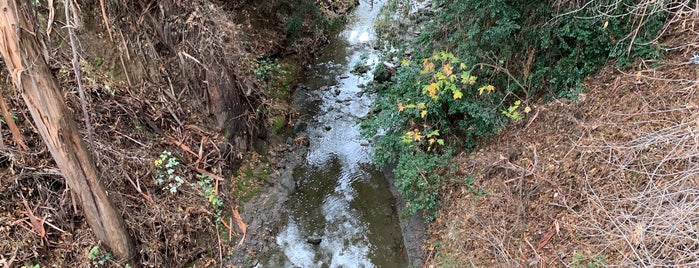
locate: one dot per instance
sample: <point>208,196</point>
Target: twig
<point>36,222</point>
<point>16,136</point>
<point>78,73</point>
<point>220,250</point>
<point>52,13</point>
<point>533,117</point>
<point>106,21</point>
<point>8,263</point>
<point>2,143</point>
<point>538,257</point>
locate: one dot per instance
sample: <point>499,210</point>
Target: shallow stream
<point>341,200</point>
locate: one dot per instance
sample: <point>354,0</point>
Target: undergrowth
<point>477,65</point>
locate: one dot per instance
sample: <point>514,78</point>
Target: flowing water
<point>340,198</point>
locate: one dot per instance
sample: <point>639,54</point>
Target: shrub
<point>520,50</point>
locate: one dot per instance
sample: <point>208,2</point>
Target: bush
<point>520,50</point>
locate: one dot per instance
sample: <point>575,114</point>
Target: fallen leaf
<point>241,225</point>
<point>37,222</point>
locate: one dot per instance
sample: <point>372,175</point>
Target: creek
<point>340,200</point>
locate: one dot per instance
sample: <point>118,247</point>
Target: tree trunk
<point>40,90</point>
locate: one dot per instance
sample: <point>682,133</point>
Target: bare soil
<point>608,180</point>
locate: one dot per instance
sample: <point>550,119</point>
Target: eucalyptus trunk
<point>22,53</point>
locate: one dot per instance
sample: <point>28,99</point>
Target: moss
<point>278,124</point>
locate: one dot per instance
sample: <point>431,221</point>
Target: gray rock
<point>314,239</point>
<point>287,181</point>
<point>299,126</point>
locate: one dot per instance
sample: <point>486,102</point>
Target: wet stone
<point>299,126</point>
<point>314,239</point>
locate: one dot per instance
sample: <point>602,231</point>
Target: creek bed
<point>342,213</point>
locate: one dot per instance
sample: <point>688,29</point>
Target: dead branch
<point>70,25</point>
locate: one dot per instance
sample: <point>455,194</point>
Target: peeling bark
<point>40,90</point>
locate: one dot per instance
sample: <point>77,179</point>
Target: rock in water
<point>314,239</point>
<point>299,126</point>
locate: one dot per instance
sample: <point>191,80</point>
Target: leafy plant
<point>98,258</point>
<point>519,50</point>
<point>512,112</point>
<point>166,166</point>
<point>438,96</point>
<point>206,184</point>
<point>266,68</point>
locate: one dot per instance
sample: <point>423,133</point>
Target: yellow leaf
<point>447,69</point>
<point>432,90</point>
<point>471,80</point>
<point>462,65</point>
<point>404,62</point>
<point>423,113</point>
<point>458,94</point>
<point>527,110</point>
<point>417,135</point>
<point>427,67</point>
<point>487,88</point>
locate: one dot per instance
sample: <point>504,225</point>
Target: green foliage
<point>206,184</point>
<point>267,68</point>
<point>551,49</point>
<point>32,266</point>
<point>519,50</point>
<point>433,104</point>
<point>166,166</point>
<point>418,182</point>
<point>278,124</point>
<point>98,258</point>
<point>512,112</point>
